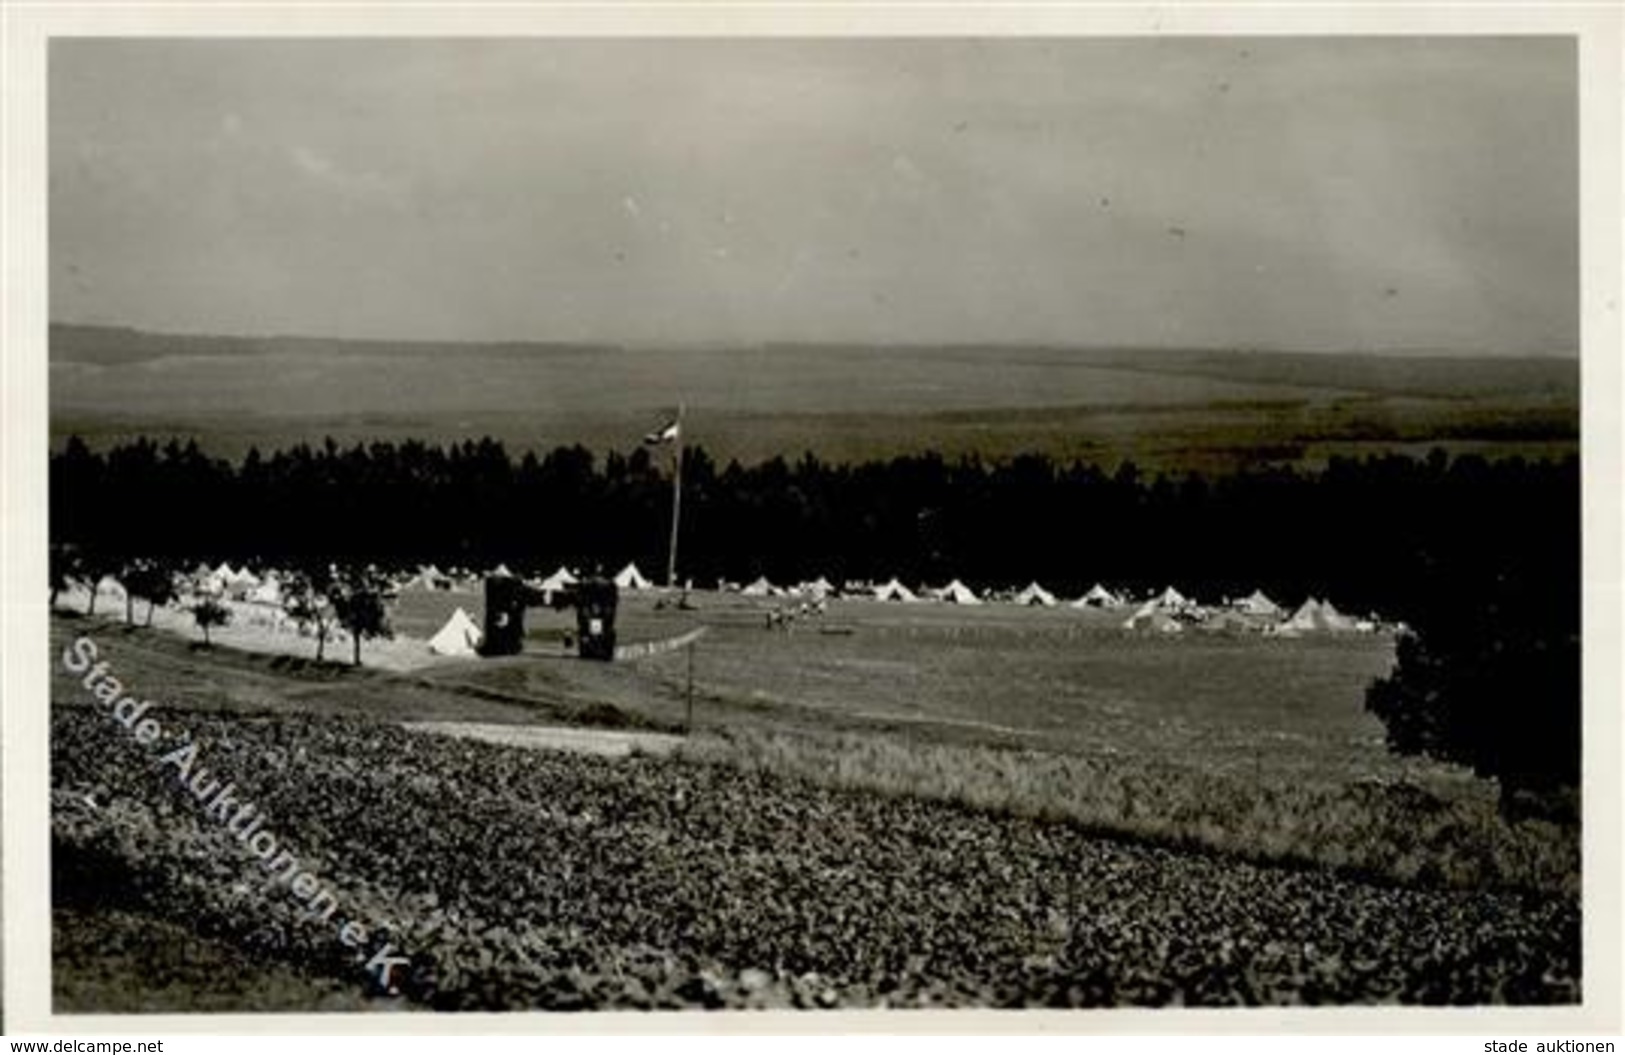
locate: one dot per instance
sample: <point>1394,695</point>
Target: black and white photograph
<point>797,523</point>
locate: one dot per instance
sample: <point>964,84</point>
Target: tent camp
<point>1257,603</point>
<point>1034,594</point>
<point>502,571</point>
<point>894,591</point>
<point>761,588</point>
<point>1098,597</point>
<point>957,592</point>
<point>459,637</point>
<point>629,578</point>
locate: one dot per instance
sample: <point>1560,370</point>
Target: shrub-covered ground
<point>525,879</point>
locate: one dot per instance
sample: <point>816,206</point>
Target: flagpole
<point>676,503</point>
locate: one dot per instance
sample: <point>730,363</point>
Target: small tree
<point>96,565</point>
<point>359,595</point>
<point>210,612</point>
<point>67,568</point>
<point>304,599</point>
<point>153,580</point>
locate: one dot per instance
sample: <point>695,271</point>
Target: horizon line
<point>604,344</point>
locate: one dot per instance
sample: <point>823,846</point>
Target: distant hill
<point>1170,408</point>
<point>1419,374</point>
<point>114,345</point>
<point>1434,376</point>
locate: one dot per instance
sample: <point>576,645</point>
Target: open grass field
<point>1253,746</point>
<point>1209,411</point>
<point>1066,680</point>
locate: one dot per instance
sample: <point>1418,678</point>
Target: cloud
<point>356,184</point>
<point>312,163</point>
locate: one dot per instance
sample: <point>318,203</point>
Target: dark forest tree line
<point>1481,558</point>
<point>1367,533</point>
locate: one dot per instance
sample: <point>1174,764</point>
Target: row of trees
<point>1367,533</point>
<point>1481,558</point>
<point>316,595</point>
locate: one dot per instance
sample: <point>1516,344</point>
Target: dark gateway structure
<point>506,599</point>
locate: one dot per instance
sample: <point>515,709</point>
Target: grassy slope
<point>1169,746</point>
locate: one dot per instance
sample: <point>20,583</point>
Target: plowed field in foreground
<point>515,878</point>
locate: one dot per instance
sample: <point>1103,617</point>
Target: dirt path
<point>607,743</point>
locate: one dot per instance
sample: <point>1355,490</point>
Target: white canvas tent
<point>1172,600</point>
<point>894,591</point>
<point>818,588</point>
<point>1035,594</point>
<point>761,588</point>
<point>558,580</point>
<point>957,592</point>
<point>219,580</point>
<point>1257,603</point>
<point>1335,620</point>
<point>460,636</point>
<point>1233,622</point>
<point>629,578</point>
<point>1098,597</point>
<point>268,592</point>
<point>205,581</point>
<point>502,570</point>
<point>1304,618</point>
<point>230,581</point>
<point>1152,616</point>
<point>1315,615</point>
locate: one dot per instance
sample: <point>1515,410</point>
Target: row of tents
<point>1167,611</point>
<point>429,577</point>
<point>1171,613</point>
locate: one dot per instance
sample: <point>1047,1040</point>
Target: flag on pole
<point>663,435</point>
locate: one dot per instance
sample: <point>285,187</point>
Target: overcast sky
<point>1337,194</point>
